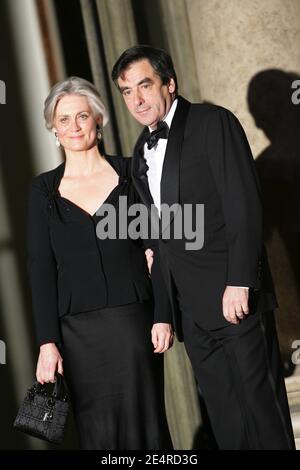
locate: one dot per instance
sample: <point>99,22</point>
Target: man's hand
<point>235,304</point>
<point>162,337</point>
<point>49,362</point>
<point>149,258</point>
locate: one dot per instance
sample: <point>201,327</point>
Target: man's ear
<point>171,86</point>
<point>54,130</point>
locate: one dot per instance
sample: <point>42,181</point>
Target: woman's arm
<point>43,279</point>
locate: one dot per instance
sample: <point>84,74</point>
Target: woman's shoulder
<point>121,164</point>
<point>45,182</point>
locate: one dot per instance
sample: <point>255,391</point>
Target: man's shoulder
<point>209,109</point>
<point>213,115</point>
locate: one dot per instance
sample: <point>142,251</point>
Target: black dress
<point>115,379</point>
<point>100,317</point>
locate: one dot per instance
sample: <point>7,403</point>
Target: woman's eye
<point>63,120</point>
<point>83,116</point>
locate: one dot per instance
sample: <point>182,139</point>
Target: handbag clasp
<point>48,416</point>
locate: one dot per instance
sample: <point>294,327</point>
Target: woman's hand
<point>49,362</point>
<point>149,257</point>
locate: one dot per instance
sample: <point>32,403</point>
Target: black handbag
<point>43,415</point>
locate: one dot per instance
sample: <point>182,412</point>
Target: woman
<point>92,296</point>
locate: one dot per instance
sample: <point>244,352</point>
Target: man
<point>222,293</point>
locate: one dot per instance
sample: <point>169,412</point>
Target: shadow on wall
<point>270,102</point>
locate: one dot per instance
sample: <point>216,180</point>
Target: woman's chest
<point>88,193</point>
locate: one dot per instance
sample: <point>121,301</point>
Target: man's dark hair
<point>159,59</point>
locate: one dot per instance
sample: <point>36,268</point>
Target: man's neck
<point>170,113</point>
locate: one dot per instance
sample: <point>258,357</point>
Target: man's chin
<point>143,122</point>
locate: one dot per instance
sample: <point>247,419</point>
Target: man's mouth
<point>142,111</point>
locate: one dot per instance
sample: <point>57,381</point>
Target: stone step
<point>293,391</point>
<point>292,384</point>
<point>296,423</point>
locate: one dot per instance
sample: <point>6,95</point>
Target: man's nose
<point>138,98</point>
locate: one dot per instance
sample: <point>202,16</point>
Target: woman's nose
<point>74,125</point>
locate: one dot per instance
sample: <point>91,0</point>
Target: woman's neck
<point>83,163</point>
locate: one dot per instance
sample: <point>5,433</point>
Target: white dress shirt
<point>155,160</point>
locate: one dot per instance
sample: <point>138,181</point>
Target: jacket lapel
<point>171,167</point>
<point>139,170</point>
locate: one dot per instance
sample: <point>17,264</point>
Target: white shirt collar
<point>169,117</point>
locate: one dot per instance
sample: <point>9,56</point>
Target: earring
<point>57,142</point>
<point>99,133</point>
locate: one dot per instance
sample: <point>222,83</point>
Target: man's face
<point>147,99</point>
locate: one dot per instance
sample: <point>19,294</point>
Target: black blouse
<point>71,270</point>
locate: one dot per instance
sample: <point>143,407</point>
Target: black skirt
<point>116,382</point>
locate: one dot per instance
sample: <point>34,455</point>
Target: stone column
<point>118,33</point>
<point>181,398</point>
<point>98,66</point>
<point>180,45</point>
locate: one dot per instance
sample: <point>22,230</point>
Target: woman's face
<point>75,124</point>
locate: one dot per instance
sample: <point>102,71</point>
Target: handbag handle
<point>58,391</point>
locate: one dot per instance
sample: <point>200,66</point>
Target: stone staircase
<point>293,391</point>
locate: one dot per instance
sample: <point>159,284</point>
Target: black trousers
<point>239,371</point>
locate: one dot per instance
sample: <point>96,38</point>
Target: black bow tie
<point>161,132</point>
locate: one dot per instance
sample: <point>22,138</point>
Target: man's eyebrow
<point>144,80</point>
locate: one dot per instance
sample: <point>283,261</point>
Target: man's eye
<point>83,116</point>
<point>63,120</point>
<point>126,93</point>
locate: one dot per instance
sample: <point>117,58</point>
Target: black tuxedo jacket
<point>72,271</point>
<point>208,161</point>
